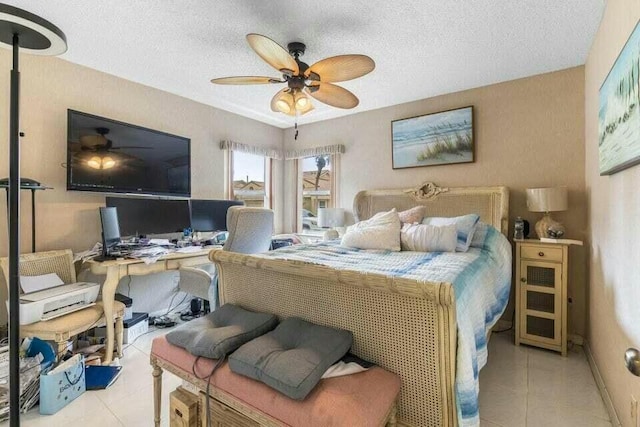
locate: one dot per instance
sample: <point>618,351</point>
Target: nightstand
<point>541,294</point>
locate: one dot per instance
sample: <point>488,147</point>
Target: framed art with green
<point>442,138</point>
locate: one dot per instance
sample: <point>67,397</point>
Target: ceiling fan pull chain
<point>295,137</point>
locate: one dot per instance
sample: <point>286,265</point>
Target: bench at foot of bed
<point>364,399</point>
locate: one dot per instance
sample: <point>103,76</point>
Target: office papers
<point>39,283</point>
<point>189,249</point>
<point>87,255</point>
<point>149,255</point>
<point>160,242</point>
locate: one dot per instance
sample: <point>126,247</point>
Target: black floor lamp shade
<point>36,35</point>
<point>20,29</point>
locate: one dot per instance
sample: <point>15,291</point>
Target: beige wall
<point>69,219</point>
<point>614,205</point>
<point>50,86</point>
<point>529,132</point>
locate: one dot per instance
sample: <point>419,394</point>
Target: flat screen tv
<point>113,157</point>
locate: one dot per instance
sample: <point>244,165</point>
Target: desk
<point>117,269</point>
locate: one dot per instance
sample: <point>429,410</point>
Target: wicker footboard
<point>406,326</point>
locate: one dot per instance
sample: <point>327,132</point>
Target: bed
<point>401,321</point>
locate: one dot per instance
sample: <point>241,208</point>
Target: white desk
<point>117,269</point>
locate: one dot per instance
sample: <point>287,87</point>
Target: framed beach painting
<point>619,110</point>
<point>433,139</point>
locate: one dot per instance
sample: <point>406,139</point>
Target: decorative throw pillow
<point>479,235</point>
<point>428,238</point>
<point>413,215</point>
<point>293,357</point>
<point>465,227</point>
<point>381,231</point>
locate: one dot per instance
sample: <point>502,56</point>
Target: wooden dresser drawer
<point>222,415</point>
<point>541,253</point>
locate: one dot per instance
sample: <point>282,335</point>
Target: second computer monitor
<point>142,217</point>
<point>110,229</point>
<point>211,215</point>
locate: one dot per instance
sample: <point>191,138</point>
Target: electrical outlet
<point>634,411</point>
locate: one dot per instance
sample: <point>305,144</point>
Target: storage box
<point>183,409</point>
<point>128,305</point>
<point>133,328</point>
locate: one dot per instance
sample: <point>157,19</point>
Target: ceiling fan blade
<point>340,68</point>
<point>246,80</point>
<point>93,140</point>
<point>130,147</point>
<point>273,54</point>
<point>333,95</point>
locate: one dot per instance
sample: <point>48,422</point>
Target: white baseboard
<point>608,403</point>
<point>576,339</point>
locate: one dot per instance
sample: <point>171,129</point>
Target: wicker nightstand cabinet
<point>541,294</point>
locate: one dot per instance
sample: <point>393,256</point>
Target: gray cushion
<point>221,332</point>
<point>292,357</point>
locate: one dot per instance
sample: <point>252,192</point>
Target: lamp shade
<point>330,217</point>
<point>547,199</point>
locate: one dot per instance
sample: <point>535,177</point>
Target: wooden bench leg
<point>393,421</point>
<point>157,392</point>
<point>119,335</point>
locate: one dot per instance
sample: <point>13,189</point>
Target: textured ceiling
<point>421,48</point>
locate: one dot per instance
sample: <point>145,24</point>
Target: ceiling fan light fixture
<point>108,163</point>
<point>316,80</point>
<point>301,101</point>
<point>95,162</point>
<point>283,104</point>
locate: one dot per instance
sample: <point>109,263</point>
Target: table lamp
<point>547,200</point>
<point>330,217</point>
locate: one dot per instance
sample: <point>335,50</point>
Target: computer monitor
<point>141,217</point>
<point>110,229</point>
<point>211,215</point>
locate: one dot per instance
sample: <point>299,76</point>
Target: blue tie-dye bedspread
<point>481,280</point>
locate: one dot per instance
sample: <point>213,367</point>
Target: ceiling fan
<point>301,79</point>
<point>98,151</point>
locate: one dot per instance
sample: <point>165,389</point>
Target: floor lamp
<point>20,29</point>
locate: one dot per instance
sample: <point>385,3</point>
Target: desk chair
<point>61,329</point>
<point>250,231</point>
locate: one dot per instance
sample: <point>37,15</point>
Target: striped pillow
<point>465,227</point>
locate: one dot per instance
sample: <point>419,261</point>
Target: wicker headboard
<point>491,203</point>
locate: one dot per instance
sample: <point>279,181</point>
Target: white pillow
<point>381,231</point>
<point>465,226</point>
<point>428,238</point>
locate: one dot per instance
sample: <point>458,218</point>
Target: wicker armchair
<point>61,329</point>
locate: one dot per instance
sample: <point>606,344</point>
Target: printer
<point>57,301</point>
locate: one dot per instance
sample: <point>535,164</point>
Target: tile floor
<point>526,386</point>
<point>128,402</point>
<point>520,386</point>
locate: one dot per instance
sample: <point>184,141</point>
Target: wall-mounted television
<point>109,156</point>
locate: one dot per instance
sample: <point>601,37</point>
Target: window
<point>316,185</point>
<point>250,178</point>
